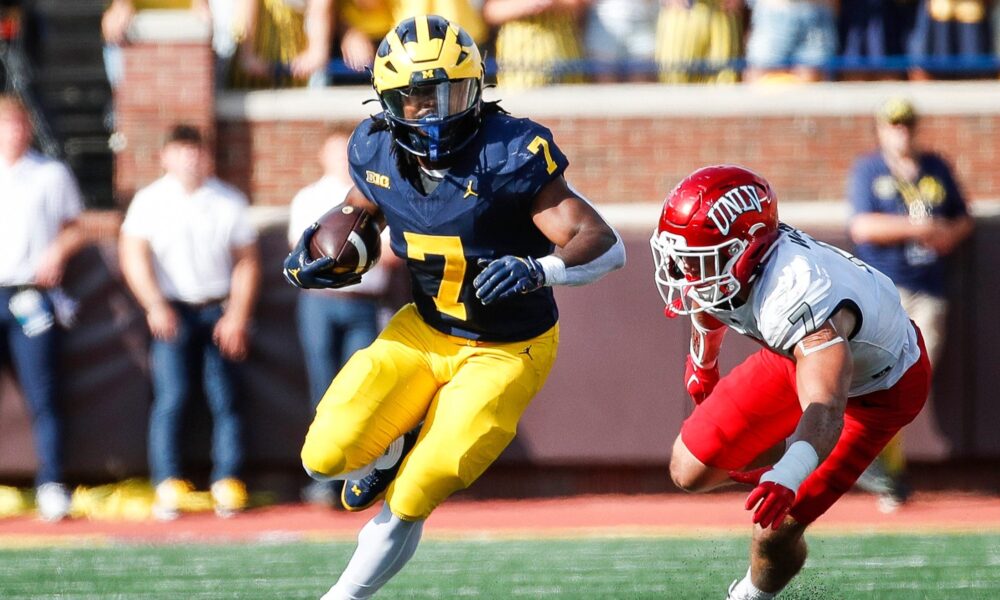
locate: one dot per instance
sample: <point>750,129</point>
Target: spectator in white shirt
<point>38,234</point>
<point>189,254</point>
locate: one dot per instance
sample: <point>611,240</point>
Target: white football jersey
<point>802,283</point>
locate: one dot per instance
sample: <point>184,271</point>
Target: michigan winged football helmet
<point>715,228</point>
<point>428,75</point>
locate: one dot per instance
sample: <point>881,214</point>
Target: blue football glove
<point>303,272</point>
<point>506,276</point>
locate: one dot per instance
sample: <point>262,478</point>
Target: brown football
<point>350,236</point>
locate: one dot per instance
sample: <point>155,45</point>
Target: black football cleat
<point>359,494</point>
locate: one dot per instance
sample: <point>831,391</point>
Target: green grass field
<point>910,567</point>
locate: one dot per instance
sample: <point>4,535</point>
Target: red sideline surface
<point>654,515</point>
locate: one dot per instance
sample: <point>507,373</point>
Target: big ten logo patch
<point>377,179</point>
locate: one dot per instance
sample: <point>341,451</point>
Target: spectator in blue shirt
<point>908,215</point>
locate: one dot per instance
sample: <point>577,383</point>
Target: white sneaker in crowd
<point>170,494</point>
<point>230,497</point>
<point>53,501</point>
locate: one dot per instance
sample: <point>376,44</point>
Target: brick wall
<point>270,161</point>
<point>621,160</point>
<point>168,79</point>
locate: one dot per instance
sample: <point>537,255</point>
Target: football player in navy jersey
<point>477,206</point>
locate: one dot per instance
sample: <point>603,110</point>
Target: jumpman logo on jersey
<point>469,191</point>
<point>527,351</point>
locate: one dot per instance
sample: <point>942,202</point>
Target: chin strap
<point>745,267</point>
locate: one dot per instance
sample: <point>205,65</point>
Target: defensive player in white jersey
<point>842,368</point>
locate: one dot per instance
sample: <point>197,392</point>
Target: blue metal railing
<point>967,64</point>
<point>970,65</point>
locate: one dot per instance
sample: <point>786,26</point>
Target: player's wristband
<point>554,269</point>
<point>557,273</point>
<point>799,461</point>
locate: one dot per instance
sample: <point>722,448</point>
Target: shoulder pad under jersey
<point>796,298</point>
<point>511,145</point>
<point>364,144</point>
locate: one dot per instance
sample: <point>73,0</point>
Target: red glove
<point>775,500</point>
<point>700,381</point>
<point>670,311</point>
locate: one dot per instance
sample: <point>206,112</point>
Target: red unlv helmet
<point>716,227</point>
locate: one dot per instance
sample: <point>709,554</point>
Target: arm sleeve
<point>557,273</point>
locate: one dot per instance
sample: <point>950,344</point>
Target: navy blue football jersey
<point>481,210</point>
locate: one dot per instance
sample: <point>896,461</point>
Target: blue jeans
<point>331,330</point>
<point>34,361</point>
<point>799,33</point>
<point>175,365</point>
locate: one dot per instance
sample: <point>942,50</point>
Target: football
<point>350,236</point>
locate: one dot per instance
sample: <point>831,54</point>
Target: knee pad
<point>327,461</point>
<point>322,460</point>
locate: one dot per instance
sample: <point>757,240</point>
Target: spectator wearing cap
<point>40,204</point>
<point>189,255</point>
<point>908,216</point>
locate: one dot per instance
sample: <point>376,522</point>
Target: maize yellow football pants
<point>470,396</point>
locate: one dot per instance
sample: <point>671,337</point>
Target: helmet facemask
<point>700,277</point>
<point>434,119</point>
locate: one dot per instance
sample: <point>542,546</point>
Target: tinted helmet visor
<point>430,102</point>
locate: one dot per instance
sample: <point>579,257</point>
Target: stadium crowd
<point>286,43</point>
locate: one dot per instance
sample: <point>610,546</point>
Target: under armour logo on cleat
<point>355,490</point>
<point>527,351</point>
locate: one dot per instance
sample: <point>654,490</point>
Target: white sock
<point>385,544</point>
<point>744,589</point>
